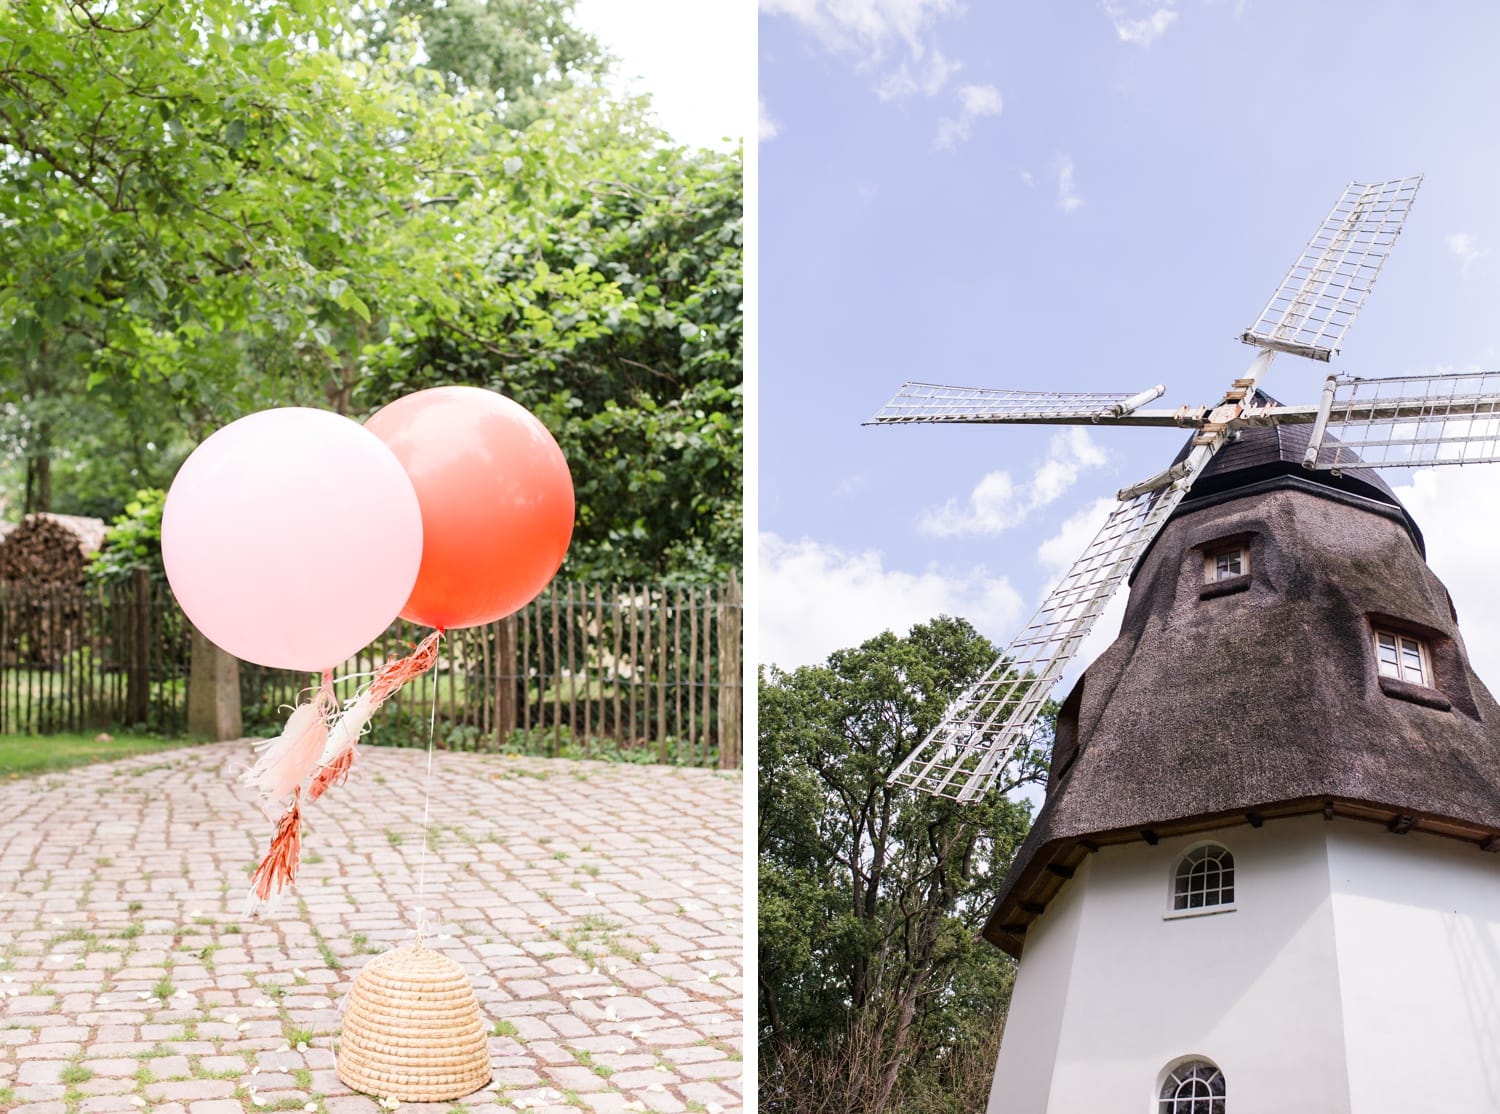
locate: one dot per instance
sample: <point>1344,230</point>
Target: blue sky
<point>1083,196</point>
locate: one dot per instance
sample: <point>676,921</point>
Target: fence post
<point>213,691</point>
<point>138,650</point>
<point>731,687</point>
<point>507,668</point>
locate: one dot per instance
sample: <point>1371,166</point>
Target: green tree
<point>875,990</point>
<point>215,206</point>
<point>521,51</point>
<point>643,393</point>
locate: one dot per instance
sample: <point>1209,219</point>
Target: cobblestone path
<point>596,907</point>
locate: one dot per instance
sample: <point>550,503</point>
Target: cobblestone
<point>595,906</point>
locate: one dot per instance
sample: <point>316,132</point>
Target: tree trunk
<point>213,692</point>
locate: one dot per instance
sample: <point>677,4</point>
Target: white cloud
<point>1067,196</point>
<point>997,502</point>
<point>1056,555</point>
<point>1454,507</point>
<point>974,101</point>
<point>926,75</point>
<point>767,127</point>
<point>1139,29</point>
<point>1063,548</point>
<point>1463,245</point>
<point>816,598</point>
<point>893,37</point>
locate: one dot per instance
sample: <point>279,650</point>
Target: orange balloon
<point>496,499</point>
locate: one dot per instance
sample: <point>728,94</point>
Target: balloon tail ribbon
<point>279,867</point>
<point>287,760</point>
<point>337,757</point>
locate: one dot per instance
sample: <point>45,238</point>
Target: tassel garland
<point>319,742</point>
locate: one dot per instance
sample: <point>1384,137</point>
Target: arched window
<point>1204,878</point>
<point>1194,1087</point>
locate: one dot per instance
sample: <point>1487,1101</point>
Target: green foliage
<point>133,540</point>
<point>632,358</point>
<point>219,205</point>
<point>523,51</point>
<point>874,984</point>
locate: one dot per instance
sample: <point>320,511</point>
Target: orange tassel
<point>393,674</point>
<point>279,867</point>
<point>338,755</point>
<point>331,773</point>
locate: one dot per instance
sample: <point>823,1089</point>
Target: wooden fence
<point>643,672</point>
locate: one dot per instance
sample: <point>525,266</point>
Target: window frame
<point>1190,1070</point>
<point>1397,637</point>
<point>1211,555</point>
<point>1176,912</point>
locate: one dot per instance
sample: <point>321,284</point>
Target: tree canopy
<point>215,206</point>
<point>875,991</point>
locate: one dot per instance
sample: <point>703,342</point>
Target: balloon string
<point>423,926</point>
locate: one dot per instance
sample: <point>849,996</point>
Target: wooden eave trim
<point>1055,862</point>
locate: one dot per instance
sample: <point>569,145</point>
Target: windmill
<point>1407,421</point>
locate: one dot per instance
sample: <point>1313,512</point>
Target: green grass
<point>76,1073</point>
<point>41,754</point>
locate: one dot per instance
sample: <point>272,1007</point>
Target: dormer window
<point>1225,564</point>
<point>1403,658</point>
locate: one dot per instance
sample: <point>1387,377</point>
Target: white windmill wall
<point>1359,971</point>
<point>1418,922</point>
<point>1254,990</point>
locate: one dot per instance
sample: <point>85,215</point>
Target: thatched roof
<point>1240,707</point>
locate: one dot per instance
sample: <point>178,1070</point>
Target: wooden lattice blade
<point>1327,286</point>
<point>1412,421</point>
<point>966,754</point>
<point>938,403</point>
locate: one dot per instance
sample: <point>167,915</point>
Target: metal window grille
<point>1196,1087</point>
<point>1204,878</point>
<point>1401,657</point>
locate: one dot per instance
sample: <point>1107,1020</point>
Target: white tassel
<point>287,759</point>
<point>348,728</point>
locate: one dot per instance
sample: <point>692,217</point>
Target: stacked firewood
<point>42,563</point>
<point>49,549</point>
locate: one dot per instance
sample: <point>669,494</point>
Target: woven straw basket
<point>412,1029</point>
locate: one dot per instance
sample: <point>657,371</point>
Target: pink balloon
<point>291,538</point>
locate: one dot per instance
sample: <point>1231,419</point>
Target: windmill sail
<point>1327,286</point>
<point>1408,421</point>
<point>934,402</point>
<point>966,754</point>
